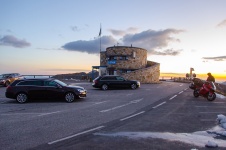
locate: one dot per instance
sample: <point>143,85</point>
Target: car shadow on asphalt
<point>112,89</point>
<point>33,101</point>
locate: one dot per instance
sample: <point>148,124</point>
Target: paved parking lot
<point>172,123</point>
<point>115,119</point>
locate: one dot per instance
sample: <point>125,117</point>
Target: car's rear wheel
<point>21,97</point>
<point>69,97</point>
<point>133,86</point>
<point>104,87</point>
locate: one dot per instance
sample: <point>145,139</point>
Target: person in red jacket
<point>210,77</point>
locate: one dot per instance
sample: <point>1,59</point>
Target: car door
<point>53,90</point>
<point>33,88</point>
<point>112,81</point>
<point>121,82</point>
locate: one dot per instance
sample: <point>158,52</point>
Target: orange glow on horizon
<point>218,77</point>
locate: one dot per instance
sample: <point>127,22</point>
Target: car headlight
<point>81,90</point>
<point>2,80</point>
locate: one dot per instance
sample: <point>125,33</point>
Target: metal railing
<point>36,76</point>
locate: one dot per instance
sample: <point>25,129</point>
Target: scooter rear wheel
<point>211,97</point>
<point>196,93</point>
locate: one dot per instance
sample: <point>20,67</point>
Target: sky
<point>62,36</point>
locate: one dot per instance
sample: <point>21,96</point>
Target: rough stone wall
<point>149,74</point>
<point>103,61</point>
<point>140,60</point>
<point>145,71</point>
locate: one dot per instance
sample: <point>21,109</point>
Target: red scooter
<point>206,89</point>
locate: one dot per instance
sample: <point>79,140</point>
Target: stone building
<point>129,62</point>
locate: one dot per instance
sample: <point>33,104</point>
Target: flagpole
<point>100,37</point>
<point>100,43</point>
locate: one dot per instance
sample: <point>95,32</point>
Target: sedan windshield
<point>60,82</point>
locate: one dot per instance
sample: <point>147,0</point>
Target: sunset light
<point>50,37</point>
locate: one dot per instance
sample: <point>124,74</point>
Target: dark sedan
<point>113,81</point>
<point>25,89</point>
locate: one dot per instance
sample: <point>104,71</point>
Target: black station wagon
<point>25,89</point>
<point>114,81</point>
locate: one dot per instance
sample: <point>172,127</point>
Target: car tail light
<point>95,81</point>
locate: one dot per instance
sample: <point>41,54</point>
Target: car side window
<point>120,78</point>
<point>38,83</point>
<point>30,83</point>
<point>50,83</point>
<point>108,78</point>
<point>24,83</point>
<point>113,78</point>
<point>104,78</point>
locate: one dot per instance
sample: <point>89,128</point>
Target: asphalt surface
<point>115,119</point>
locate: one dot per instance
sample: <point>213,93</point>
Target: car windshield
<point>60,82</point>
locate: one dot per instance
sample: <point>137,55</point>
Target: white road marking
<point>132,116</point>
<point>181,85</point>
<point>136,101</point>
<point>100,102</point>
<point>159,105</point>
<point>180,92</point>
<point>185,89</point>
<point>84,132</point>
<point>129,94</point>
<point>44,114</point>
<point>131,102</point>
<point>173,97</point>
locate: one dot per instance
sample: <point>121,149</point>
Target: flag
<point>100,32</point>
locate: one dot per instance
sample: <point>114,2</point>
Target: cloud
<point>40,48</point>
<point>219,58</point>
<point>123,32</point>
<point>117,32</point>
<point>150,40</point>
<point>9,40</point>
<point>222,24</point>
<point>168,52</point>
<point>90,47</point>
